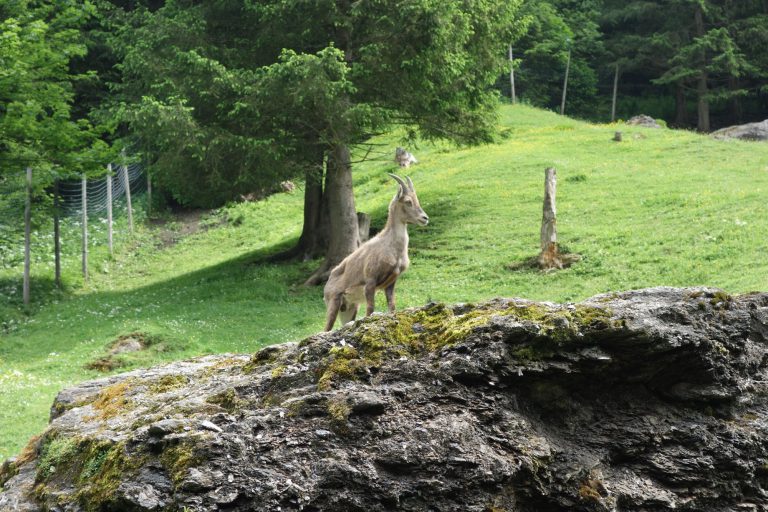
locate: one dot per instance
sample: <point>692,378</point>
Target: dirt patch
<point>125,344</point>
<point>105,364</point>
<point>128,343</point>
<point>171,230</point>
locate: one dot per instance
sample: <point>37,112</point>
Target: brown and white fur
<point>376,264</point>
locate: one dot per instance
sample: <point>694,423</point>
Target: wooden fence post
<point>549,258</point>
<point>27,237</point>
<point>85,227</point>
<point>565,82</point>
<point>127,192</point>
<point>512,75</point>
<point>149,193</point>
<point>615,90</point>
<point>56,234</point>
<point>109,209</point>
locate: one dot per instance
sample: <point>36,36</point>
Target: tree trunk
<point>701,91</point>
<point>737,113</point>
<point>343,233</point>
<point>701,84</point>
<point>312,242</point>
<point>681,108</point>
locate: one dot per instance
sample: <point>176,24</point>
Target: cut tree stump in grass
<point>550,257</point>
<point>364,226</point>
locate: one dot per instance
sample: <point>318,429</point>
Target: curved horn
<point>410,183</point>
<point>399,180</point>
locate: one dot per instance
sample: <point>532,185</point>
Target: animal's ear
<point>410,184</point>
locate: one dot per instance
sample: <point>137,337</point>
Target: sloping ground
<point>645,400</point>
<point>663,207</point>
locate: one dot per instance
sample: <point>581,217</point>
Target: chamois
<point>376,264</point>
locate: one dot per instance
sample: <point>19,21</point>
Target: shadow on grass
<point>238,297</point>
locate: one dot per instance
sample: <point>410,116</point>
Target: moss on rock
<point>112,400</point>
<point>168,382</point>
<point>178,459</point>
<point>96,467</point>
<point>105,465</point>
<point>56,453</point>
<point>228,400</point>
<point>414,333</point>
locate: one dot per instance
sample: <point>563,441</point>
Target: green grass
<point>661,208</point>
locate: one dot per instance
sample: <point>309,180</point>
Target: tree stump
<point>364,226</point>
<point>549,258</point>
<point>617,137</point>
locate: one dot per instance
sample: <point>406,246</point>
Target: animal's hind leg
<point>389,292</point>
<point>348,312</point>
<point>370,293</point>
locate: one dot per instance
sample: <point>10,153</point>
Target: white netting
<point>71,191</point>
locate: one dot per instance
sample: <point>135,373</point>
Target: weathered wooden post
<point>27,237</point>
<point>109,209</point>
<point>363,226</point>
<point>565,81</point>
<point>615,91</point>
<point>56,234</point>
<point>127,192</point>
<point>149,194</point>
<point>549,258</point>
<point>85,226</point>
<point>512,75</point>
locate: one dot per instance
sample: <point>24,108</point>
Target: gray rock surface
<point>644,121</point>
<point>646,400</point>
<point>750,131</point>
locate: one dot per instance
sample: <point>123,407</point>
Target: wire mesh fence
<point>57,231</point>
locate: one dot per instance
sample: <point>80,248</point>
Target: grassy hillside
<point>661,208</point>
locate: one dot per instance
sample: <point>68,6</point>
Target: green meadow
<point>663,207</point>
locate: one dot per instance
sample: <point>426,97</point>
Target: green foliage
<point>703,46</point>
<point>554,28</point>
<point>227,97</point>
<point>37,44</point>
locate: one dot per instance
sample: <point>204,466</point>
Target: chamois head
<point>407,204</point>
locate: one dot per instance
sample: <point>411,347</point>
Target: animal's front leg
<point>389,291</point>
<point>370,294</point>
<point>333,305</point>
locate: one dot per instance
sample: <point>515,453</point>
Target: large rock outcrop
<point>646,400</point>
<point>749,131</point>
